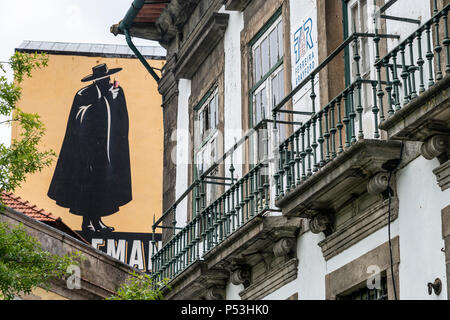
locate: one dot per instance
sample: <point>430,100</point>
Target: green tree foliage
<point>140,287</point>
<point>24,265</point>
<point>22,157</point>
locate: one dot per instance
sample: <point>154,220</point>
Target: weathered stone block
<point>443,175</point>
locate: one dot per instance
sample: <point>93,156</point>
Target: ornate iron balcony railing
<point>317,141</point>
<point>245,199</point>
<point>340,123</point>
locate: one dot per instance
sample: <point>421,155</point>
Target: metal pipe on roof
<point>126,24</point>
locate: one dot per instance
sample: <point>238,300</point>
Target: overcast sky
<point>85,21</point>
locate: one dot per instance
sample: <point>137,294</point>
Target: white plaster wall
<point>418,227</point>
<point>360,248</point>
<point>232,291</point>
<point>181,154</point>
<point>233,96</point>
<point>421,202</point>
<point>312,267</point>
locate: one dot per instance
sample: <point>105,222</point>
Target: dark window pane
<point>200,127</point>
<point>216,105</point>
<point>265,57</point>
<point>206,125</point>
<point>257,63</point>
<point>212,113</point>
<point>263,103</point>
<point>273,39</point>
<point>280,40</point>
<point>257,107</point>
<point>280,86</point>
<point>275,93</point>
<point>261,145</point>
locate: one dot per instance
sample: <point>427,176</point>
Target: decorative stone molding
<point>236,5</point>
<point>359,227</point>
<point>443,175</point>
<point>196,281</point>
<point>378,183</point>
<point>436,147</point>
<point>356,272</point>
<point>200,45</point>
<point>283,247</point>
<point>215,293</point>
<point>241,275</point>
<point>278,277</point>
<point>321,223</point>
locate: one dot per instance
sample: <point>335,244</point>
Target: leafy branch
<point>24,265</point>
<point>140,286</point>
<point>23,156</point>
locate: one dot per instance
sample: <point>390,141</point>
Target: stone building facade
<point>306,148</point>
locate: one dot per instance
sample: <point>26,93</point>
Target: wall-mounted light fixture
<point>436,286</point>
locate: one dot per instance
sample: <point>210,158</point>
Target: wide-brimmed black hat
<point>100,71</point>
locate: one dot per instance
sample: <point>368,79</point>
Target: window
<point>267,80</point>
<point>363,292</point>
<point>267,51</point>
<point>206,145</point>
<point>206,119</point>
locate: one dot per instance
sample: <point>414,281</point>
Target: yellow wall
<point>50,93</point>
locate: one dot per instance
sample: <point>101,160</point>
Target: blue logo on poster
<point>304,55</point>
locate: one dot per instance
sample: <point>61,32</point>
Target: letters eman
<point>129,252</point>
<point>92,176</point>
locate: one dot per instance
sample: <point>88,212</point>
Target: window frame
<point>201,141</point>
<point>263,34</point>
<point>275,23</point>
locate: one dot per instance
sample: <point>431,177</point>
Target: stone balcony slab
<point>341,180</point>
<point>264,246</point>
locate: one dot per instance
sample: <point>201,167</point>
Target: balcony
<point>336,170</point>
<point>340,157</point>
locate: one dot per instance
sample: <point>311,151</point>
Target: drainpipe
<point>125,26</point>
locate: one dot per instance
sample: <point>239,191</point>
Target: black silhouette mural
<point>92,176</point>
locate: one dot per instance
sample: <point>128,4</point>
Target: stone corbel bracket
<point>438,146</point>
<point>241,274</point>
<point>322,222</point>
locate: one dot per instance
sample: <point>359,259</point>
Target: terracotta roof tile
<point>31,210</point>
